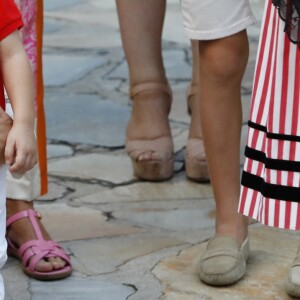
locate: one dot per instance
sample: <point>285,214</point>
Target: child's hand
<point>20,150</point>
<point>5,126</point>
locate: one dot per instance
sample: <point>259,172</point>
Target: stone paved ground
<point>128,239</point>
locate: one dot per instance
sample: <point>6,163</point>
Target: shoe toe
<point>294,275</point>
<point>219,265</point>
<point>292,284</point>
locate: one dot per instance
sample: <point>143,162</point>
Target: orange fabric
<point>41,123</point>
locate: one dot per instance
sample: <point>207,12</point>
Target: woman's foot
<point>22,231</point>
<point>148,136</point>
<point>195,160</point>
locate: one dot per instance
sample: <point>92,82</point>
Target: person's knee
<point>224,59</point>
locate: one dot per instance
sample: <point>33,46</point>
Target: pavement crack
<point>109,215</point>
<point>93,181</point>
<point>135,289</point>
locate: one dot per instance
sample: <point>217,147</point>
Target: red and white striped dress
<point>271,177</point>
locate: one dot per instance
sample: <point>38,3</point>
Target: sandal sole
<point>153,170</point>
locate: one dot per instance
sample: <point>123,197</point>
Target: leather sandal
<point>31,252</point>
<point>156,169</point>
<point>292,283</point>
<point>223,262</point>
<point>196,167</point>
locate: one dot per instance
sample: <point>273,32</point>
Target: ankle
<point>13,206</point>
<point>237,229</point>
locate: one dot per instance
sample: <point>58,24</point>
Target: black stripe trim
<point>278,192</point>
<point>285,137</point>
<point>255,154</point>
<point>274,136</point>
<point>257,126</point>
<point>270,163</point>
<point>283,165</point>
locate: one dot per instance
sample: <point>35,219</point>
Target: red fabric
<point>10,20</point>
<point>270,190</point>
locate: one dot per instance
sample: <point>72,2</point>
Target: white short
<point>27,187</point>
<point>214,19</point>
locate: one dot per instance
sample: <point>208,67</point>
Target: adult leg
<point>195,160</point>
<point>141,35</point>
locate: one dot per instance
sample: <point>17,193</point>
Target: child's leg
<point>219,26</point>
<point>3,245</point>
<point>223,63</point>
<point>21,192</point>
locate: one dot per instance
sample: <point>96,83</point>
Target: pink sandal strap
<point>33,251</point>
<point>22,214</point>
<point>148,86</point>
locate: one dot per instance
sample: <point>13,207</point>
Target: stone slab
<point>59,4</point>
<point>179,111</point>
<point>58,151</point>
<point>243,144</point>
<point>79,288</point>
<point>175,220</point>
<point>108,254</point>
<point>55,191</point>
<point>51,26</point>
<point>88,36</point>
<point>173,29</point>
<point>88,120</point>
<point>246,103</point>
<point>103,167</point>
<point>175,65</point>
<point>180,140</point>
<point>271,252</point>
<point>62,69</point>
<point>65,223</point>
<point>175,189</point>
<point>16,282</point>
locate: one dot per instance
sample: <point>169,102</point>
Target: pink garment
<point>28,10</point>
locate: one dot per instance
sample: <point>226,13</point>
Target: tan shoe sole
<point>196,170</point>
<point>153,170</point>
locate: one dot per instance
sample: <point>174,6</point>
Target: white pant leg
<point>3,244</point>
<point>27,187</point>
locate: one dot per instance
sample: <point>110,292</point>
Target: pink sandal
<point>31,252</point>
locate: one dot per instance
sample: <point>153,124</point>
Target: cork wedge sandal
<point>196,167</point>
<point>151,169</point>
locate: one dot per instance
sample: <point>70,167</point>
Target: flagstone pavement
<point>128,239</point>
